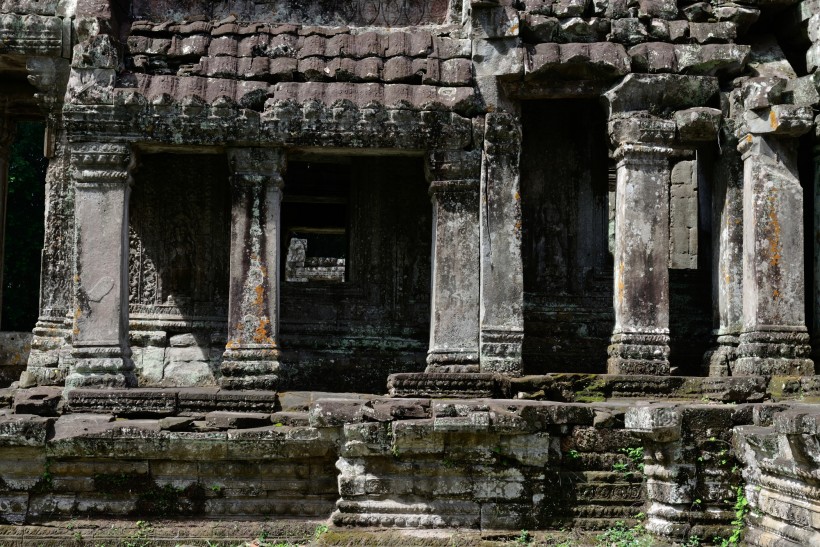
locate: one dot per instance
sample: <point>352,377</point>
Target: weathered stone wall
<point>179,220</point>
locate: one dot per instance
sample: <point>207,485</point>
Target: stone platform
<point>370,461</point>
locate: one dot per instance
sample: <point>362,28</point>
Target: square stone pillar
<point>774,338</point>
<point>251,358</point>
<point>454,330</point>
<point>727,258</point>
<point>640,338</point>
<point>502,271</point>
<point>101,176</point>
<point>52,332</point>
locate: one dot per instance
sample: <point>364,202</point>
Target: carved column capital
<point>102,163</point>
<point>777,120</point>
<point>252,166</point>
<point>642,154</point>
<point>445,165</point>
<point>639,128</point>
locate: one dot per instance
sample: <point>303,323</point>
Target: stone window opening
<point>315,223</point>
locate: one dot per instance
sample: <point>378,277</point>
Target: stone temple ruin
<point>571,240</point>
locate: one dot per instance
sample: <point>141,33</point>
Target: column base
<point>250,368</point>
<point>639,353</point>
<point>457,361</point>
<point>47,348</point>
<point>501,351</point>
<point>105,366</point>
<point>783,352</point>
<point>717,362</point>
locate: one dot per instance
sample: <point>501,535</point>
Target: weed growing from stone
<point>739,523</point>
<point>621,536</point>
<point>320,531</point>
<point>141,537</point>
<point>524,538</point>
<point>636,456</point>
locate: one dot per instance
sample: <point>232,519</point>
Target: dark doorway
<point>567,265</point>
<point>25,208</point>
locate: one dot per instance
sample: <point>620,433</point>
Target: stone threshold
<point>264,533</point>
<point>556,387</point>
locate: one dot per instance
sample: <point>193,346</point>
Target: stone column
<point>502,278</point>
<point>727,258</point>
<point>640,339</point>
<point>251,358</point>
<point>774,338</point>
<point>101,355</point>
<point>7,133</point>
<point>815,342</point>
<point>51,332</point>
<point>454,330</point>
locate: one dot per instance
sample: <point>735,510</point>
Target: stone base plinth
<point>501,351</point>
<point>440,361</point>
<point>638,353</point>
<point>101,367</point>
<point>168,402</point>
<point>718,360</point>
<point>458,385</point>
<point>44,363</point>
<point>781,353</point>
<point>250,368</point>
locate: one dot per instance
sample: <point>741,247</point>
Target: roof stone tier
<point>376,13</point>
<point>277,53</point>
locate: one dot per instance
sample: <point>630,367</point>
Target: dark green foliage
<point>24,228</point>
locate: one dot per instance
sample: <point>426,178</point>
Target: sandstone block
<point>569,8</point>
<point>441,47</point>
<point>398,69</point>
<point>578,29</point>
<point>653,57</point>
<point>23,429</point>
<point>629,31</point>
<point>236,420</point>
<point>660,423</point>
<point>713,33</point>
<point>226,46</point>
<point>368,44</point>
<point>39,401</point>
<point>698,124</point>
<point>664,9</point>
<point>540,28</point>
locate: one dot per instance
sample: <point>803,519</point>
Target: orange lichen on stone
<point>261,334</point>
<point>774,241</point>
<point>260,295</point>
<point>620,282</point>
<point>773,120</point>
